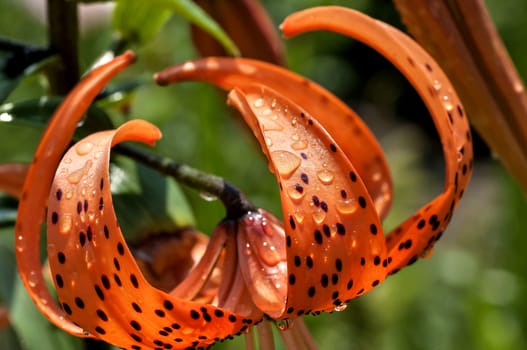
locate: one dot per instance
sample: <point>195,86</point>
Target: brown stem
<point>63,35</point>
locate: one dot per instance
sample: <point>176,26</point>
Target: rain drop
<point>258,103</point>
<point>84,148</point>
<point>346,206</point>
<point>436,85</point>
<point>32,279</point>
<point>326,176</point>
<point>294,193</point>
<point>285,162</point>
<point>206,196</point>
<point>65,224</point>
<point>319,216</point>
<point>284,325</point>
<point>340,307</point>
<point>299,145</point>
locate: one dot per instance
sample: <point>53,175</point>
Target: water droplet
<point>206,196</point>
<point>447,103</point>
<point>268,141</point>
<point>459,156</point>
<point>295,137</point>
<point>65,223</point>
<point>285,162</point>
<point>376,176</point>
<point>76,176</point>
<point>346,206</point>
<point>67,160</point>
<point>84,148</point>
<point>319,216</point>
<point>340,307</point>
<point>89,258</point>
<point>270,125</point>
<point>326,176</point>
<point>32,279</point>
<point>436,85</point>
<point>299,215</point>
<point>68,195</point>
<point>98,154</point>
<point>273,103</point>
<point>85,333</point>
<point>258,103</point>
<point>299,145</point>
<point>294,122</point>
<point>284,325</point>
<point>294,193</point>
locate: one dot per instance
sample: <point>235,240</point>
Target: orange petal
<point>12,178</point>
<point>347,129</point>
<point>98,282</point>
<point>36,188</point>
<point>416,236</point>
<point>334,238</point>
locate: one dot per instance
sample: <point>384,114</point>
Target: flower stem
<point>63,32</point>
<point>235,202</point>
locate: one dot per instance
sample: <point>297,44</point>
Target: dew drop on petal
<point>32,279</point>
<point>340,307</point>
<point>284,325</point>
<point>285,162</point>
<point>326,176</point>
<point>319,216</point>
<point>65,223</point>
<point>346,206</point>
<point>270,125</point>
<point>258,103</point>
<point>84,148</point>
<point>299,145</point>
<point>294,193</point>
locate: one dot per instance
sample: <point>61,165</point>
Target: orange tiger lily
<point>333,196</point>
<point>335,189</point>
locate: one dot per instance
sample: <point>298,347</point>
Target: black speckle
<point>59,280</point>
<point>79,302</point>
<point>137,308</point>
<point>362,202</point>
<point>168,305</point>
<point>120,248</point>
<point>292,279</point>
<point>54,217</point>
<point>316,201</point>
<point>332,147</point>
<point>324,206</point>
<point>318,237</point>
<point>309,261</point>
<point>102,315</point>
<point>292,222</point>
<point>373,229</point>
<point>341,229</point>
<point>311,291</point>
<point>67,308</point>
<point>134,281</point>
<point>159,313</point>
<point>59,194</point>
<point>61,257</point>
<point>135,325</point>
<point>353,176</point>
<point>304,178</point>
<point>338,265</point>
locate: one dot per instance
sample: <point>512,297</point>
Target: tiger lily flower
<point>335,190</point>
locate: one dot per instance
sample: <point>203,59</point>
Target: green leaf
<point>147,202</point>
<point>140,20</point>
<point>37,112</point>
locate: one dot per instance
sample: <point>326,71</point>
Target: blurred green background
<point>468,295</point>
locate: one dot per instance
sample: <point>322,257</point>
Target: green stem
<point>63,32</point>
<point>235,202</point>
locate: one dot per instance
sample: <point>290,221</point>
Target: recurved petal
<point>416,236</point>
<point>331,224</point>
<point>98,282</point>
<point>37,184</point>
